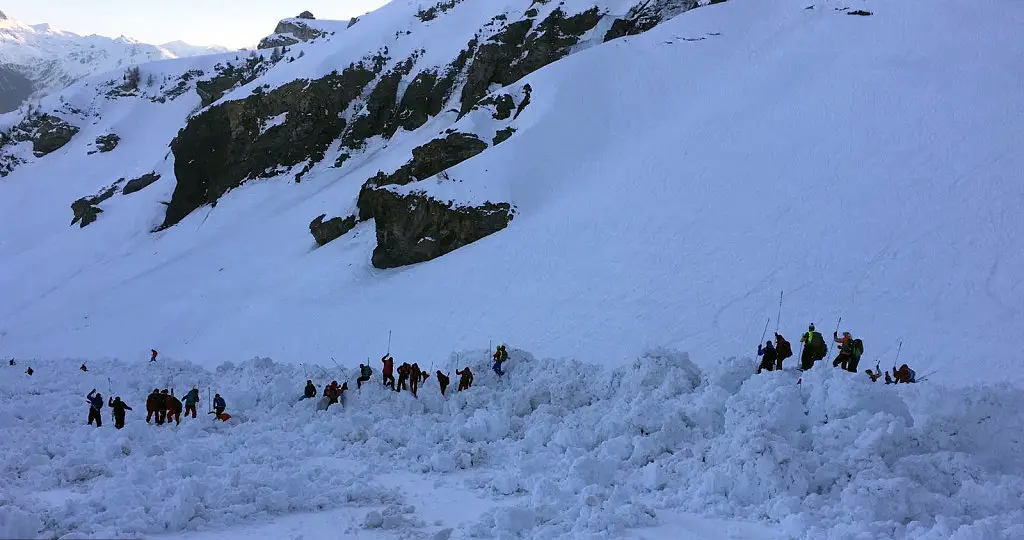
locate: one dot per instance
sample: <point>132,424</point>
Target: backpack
<point>784,349</point>
<point>858,348</point>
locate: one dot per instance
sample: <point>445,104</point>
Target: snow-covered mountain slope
<point>53,59</point>
<point>662,189</point>
<point>181,49</point>
<point>555,450</point>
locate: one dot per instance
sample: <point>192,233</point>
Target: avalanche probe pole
<point>833,341</point>
<point>779,316</point>
<point>389,342</point>
<point>898,349</point>
<point>110,395</point>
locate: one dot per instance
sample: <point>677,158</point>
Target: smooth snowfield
<point>667,190</point>
<point>556,449</point>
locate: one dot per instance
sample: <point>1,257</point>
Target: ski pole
<point>764,332</point>
<point>779,317</point>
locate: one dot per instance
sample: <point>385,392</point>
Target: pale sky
<point>232,23</point>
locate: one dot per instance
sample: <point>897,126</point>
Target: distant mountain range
<point>39,59</point>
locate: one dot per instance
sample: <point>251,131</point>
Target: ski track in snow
<point>556,449</point>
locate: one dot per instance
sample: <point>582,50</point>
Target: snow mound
<point>572,449</point>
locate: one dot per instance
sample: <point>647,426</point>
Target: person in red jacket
<point>152,357</point>
<point>414,378</point>
<point>388,371</point>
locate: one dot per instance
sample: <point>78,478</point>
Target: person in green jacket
<point>814,348</point>
<point>364,375</point>
<point>191,399</point>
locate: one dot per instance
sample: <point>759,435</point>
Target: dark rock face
<point>228,76</point>
<point>326,231</point>
<point>528,91</point>
<point>106,143</point>
<point>502,135</point>
<point>503,105</point>
<point>376,119</point>
<point>305,15</point>
<point>415,228</point>
<point>431,13</point>
<point>277,40</point>
<point>646,15</point>
<point>86,209</point>
<point>226,144</point>
<point>427,160</point>
<point>46,132</point>
<point>516,51</point>
<point>52,134</point>
<point>140,183</point>
<point>85,213</point>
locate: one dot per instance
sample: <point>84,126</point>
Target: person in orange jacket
<point>845,349</point>
<point>904,375</point>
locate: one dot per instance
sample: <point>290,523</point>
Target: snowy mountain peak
<point>182,49</point>
<point>50,58</point>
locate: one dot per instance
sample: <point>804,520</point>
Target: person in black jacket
<point>119,408</point>
<point>769,355</point>
<point>95,404</point>
<point>443,380</point>
<point>310,391</point>
<point>218,405</point>
<point>173,408</point>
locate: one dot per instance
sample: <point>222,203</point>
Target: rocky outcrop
<point>433,11</point>
<point>517,51</point>
<point>502,135</point>
<point>106,143</point>
<point>51,135</point>
<point>230,75</point>
<point>646,15</point>
<point>140,183</point>
<point>379,109</point>
<point>291,31</point>
<point>227,144</point>
<point>86,209</point>
<point>326,231</point>
<point>427,160</point>
<point>415,228</point>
